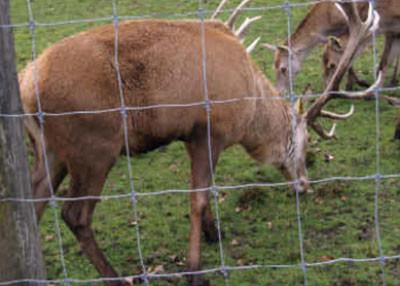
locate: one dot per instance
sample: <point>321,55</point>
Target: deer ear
<point>299,105</point>
<point>270,47</point>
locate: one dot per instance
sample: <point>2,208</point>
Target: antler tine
<point>359,31</point>
<point>230,22</point>
<point>392,100</point>
<point>241,31</point>
<point>368,93</point>
<point>337,116</point>
<point>322,133</point>
<point>253,45</point>
<point>219,9</point>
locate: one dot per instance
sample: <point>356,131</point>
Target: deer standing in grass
<point>160,63</point>
<point>324,19</point>
<point>334,49</point>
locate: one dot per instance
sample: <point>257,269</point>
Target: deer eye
<point>283,70</point>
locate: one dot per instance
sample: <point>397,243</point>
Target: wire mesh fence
<point>133,190</point>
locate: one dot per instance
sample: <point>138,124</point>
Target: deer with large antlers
<point>161,63</point>
<point>325,19</point>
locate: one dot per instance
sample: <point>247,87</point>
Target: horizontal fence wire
<point>192,14</point>
<point>207,103</point>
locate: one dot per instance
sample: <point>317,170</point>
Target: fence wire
<point>201,13</point>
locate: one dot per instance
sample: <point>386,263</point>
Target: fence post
<point>20,251</point>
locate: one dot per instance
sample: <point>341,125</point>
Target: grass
<point>259,224</point>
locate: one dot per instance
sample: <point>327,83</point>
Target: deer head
<point>333,51</point>
<point>287,63</point>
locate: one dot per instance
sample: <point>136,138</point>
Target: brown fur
<point>160,63</point>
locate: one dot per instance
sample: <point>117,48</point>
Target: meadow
<point>259,223</point>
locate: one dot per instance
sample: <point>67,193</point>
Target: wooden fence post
<point>20,251</point>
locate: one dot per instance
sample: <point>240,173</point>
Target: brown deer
<point>161,63</point>
<point>334,49</point>
<point>325,19</point>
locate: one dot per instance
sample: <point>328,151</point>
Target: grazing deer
<point>334,49</point>
<point>160,63</point>
<point>325,19</point>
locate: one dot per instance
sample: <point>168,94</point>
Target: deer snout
<point>302,185</point>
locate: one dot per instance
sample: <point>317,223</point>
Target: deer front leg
<point>88,179</point>
<point>201,218</point>
<point>354,79</point>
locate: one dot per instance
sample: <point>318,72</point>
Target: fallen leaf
<point>128,281</point>
<point>328,157</point>
<point>235,242</point>
<point>49,237</point>
<point>173,168</point>
<point>158,269</point>
<point>327,258</point>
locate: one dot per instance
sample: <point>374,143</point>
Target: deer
<point>334,49</point>
<point>160,63</point>
<point>325,19</point>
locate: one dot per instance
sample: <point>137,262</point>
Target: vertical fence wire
<point>378,177</point>
<point>125,116</point>
<point>41,118</point>
<point>287,8</point>
<point>208,107</point>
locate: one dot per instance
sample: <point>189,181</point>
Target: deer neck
<point>322,20</point>
<point>270,130</point>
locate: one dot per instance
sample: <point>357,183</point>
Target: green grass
<point>259,224</point>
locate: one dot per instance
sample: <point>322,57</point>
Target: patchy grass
<point>259,224</point>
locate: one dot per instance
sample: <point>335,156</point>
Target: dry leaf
<point>158,269</point>
<point>328,157</point>
<point>49,237</point>
<point>235,242</point>
<point>128,281</point>
<point>327,258</point>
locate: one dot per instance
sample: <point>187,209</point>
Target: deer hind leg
<point>395,58</point>
<point>40,179</point>
<point>88,180</point>
<point>395,77</point>
<point>201,218</point>
<point>397,130</point>
<point>385,59</point>
<point>353,79</point>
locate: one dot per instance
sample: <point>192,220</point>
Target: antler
<point>359,32</point>
<point>219,9</point>
<point>241,31</point>
<point>393,100</point>
<point>232,18</point>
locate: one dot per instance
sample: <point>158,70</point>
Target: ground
<point>259,223</point>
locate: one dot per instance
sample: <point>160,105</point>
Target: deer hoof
<point>198,281</point>
<point>211,234</point>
